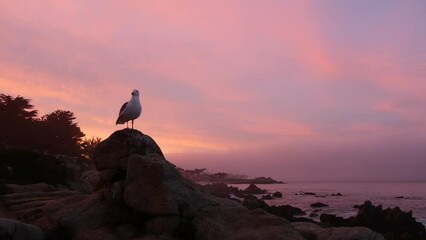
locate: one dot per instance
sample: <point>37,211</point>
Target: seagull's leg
<point>132,124</point>
<point>127,123</point>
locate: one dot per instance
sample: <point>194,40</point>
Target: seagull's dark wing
<point>122,108</point>
<point>119,115</point>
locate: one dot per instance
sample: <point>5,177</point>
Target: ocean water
<point>385,194</point>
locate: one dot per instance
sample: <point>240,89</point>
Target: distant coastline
<point>201,176</point>
<point>257,180</point>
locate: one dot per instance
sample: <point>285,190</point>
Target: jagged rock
<point>15,230</point>
<point>390,221</point>
<point>277,195</point>
<point>253,189</point>
<point>109,154</point>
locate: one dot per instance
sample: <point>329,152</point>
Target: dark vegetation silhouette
<point>54,133</point>
<point>88,146</point>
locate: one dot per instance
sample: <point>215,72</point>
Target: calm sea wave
<point>385,194</point>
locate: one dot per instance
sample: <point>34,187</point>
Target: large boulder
<point>112,152</point>
<point>164,204</point>
<point>153,186</point>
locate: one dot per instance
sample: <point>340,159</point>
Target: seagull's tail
<point>120,120</point>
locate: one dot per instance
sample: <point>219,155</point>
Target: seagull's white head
<point>135,93</point>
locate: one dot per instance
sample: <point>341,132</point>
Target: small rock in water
<point>253,189</point>
<point>400,197</point>
<point>308,193</point>
<point>277,195</point>
<point>319,205</point>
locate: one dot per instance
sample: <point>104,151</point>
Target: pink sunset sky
<point>296,90</point>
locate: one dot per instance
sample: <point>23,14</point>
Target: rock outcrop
<point>135,193</point>
<point>391,222</point>
<point>140,195</point>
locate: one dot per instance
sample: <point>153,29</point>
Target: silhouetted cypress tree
<point>56,132</point>
<point>61,135</point>
<point>17,119</point>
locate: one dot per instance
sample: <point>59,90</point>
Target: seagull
<point>130,110</point>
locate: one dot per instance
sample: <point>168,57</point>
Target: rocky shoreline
<point>133,192</point>
<point>391,222</point>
